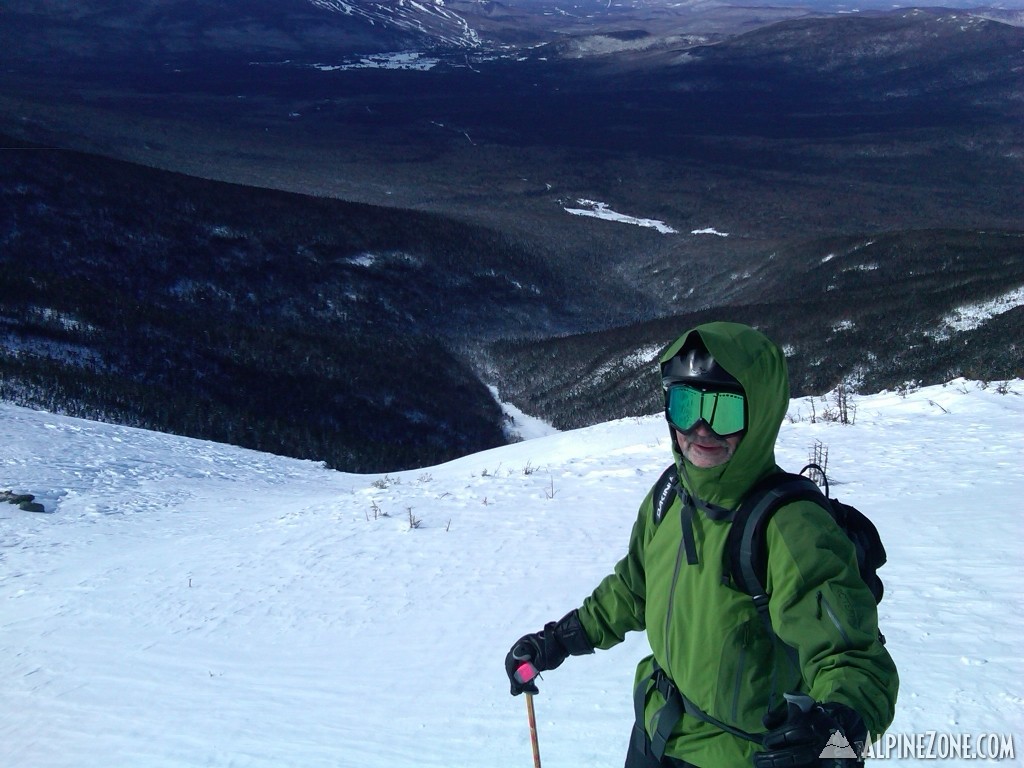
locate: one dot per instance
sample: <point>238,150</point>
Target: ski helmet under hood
<point>759,366</point>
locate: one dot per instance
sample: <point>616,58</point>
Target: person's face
<point>704,449</point>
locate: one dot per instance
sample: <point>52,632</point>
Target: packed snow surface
<point>185,603</point>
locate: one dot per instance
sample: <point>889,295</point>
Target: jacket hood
<point>760,367</point>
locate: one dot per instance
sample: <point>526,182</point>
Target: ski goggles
<point>725,413</point>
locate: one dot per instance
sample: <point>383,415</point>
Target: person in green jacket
<point>772,697</point>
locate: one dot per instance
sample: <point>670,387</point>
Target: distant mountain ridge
<point>90,28</point>
<point>844,182</point>
<point>364,337</point>
<point>96,30</point>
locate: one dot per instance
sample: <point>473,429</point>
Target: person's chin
<point>707,456</point>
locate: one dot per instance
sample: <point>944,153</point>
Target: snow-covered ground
<point>192,604</point>
<point>971,316</point>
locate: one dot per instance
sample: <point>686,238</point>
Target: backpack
<point>746,555</point>
<point>746,566</point>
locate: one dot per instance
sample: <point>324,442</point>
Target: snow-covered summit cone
<point>429,18</point>
<point>255,28</point>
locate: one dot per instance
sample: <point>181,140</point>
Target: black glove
<point>547,649</point>
<point>803,736</point>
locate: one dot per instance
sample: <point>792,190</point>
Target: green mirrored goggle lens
<point>724,412</point>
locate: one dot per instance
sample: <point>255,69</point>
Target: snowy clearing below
<point>186,603</point>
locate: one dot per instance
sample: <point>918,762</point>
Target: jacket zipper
<point>672,597</point>
<point>738,681</point>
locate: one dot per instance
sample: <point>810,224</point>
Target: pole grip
<point>525,672</point>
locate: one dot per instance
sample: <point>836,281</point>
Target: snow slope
<point>429,18</point>
<point>195,604</point>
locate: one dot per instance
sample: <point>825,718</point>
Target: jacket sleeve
<point>616,606</point>
<point>821,607</point>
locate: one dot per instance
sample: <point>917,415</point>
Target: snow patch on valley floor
<point>600,210</point>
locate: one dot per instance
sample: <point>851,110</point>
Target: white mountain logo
<point>838,748</point>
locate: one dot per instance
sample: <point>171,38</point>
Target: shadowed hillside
<point>870,313</point>
<point>303,326</point>
<point>339,253</point>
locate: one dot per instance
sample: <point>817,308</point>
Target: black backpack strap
<point>746,550</point>
<point>665,492</point>
<point>747,558</point>
<point>676,704</point>
<point>817,473</point>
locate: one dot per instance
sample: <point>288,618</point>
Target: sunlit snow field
<point>184,603</point>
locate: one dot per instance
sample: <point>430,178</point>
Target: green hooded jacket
<point>707,635</point>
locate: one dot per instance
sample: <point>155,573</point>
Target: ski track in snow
<point>194,604</point>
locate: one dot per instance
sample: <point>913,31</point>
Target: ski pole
<point>524,674</point>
